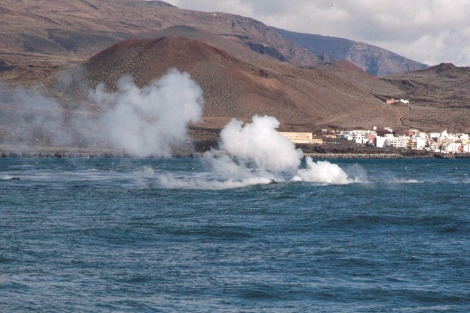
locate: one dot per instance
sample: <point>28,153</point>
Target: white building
<point>358,136</point>
<point>423,135</point>
<point>417,143</point>
<point>450,147</point>
<point>380,142</point>
<point>434,147</point>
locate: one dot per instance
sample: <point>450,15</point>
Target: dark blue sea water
<point>166,235</point>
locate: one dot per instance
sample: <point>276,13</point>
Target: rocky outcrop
<point>4,66</point>
<point>263,49</point>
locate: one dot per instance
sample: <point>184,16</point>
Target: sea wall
<point>355,155</point>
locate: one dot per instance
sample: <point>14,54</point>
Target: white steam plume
<point>255,153</point>
<point>147,121</point>
<point>272,155</point>
<point>260,143</point>
<point>138,121</point>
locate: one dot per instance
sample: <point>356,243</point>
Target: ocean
<point>171,235</point>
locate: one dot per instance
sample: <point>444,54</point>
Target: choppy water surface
<point>167,235</point>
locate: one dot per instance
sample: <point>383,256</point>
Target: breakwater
<point>355,155</point>
<point>55,152</point>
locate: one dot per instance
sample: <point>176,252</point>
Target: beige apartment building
<point>302,138</point>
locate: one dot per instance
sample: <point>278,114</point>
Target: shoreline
<point>108,153</point>
<point>355,156</point>
<point>385,156</point>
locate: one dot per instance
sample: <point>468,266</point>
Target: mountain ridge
<point>79,29</point>
<point>372,59</point>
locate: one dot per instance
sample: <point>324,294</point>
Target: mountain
<point>299,98</point>
<point>372,59</point>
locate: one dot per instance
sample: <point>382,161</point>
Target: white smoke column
<point>260,143</point>
<point>147,121</point>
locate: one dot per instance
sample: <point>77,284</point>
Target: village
<point>413,139</point>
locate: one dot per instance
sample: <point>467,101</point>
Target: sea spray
<point>322,172</point>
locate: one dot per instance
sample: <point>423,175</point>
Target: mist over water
<point>148,121</point>
<point>29,116</point>
<point>259,142</point>
<point>141,122</point>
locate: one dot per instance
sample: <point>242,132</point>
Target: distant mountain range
<point>243,66</point>
<point>374,60</point>
<point>81,28</point>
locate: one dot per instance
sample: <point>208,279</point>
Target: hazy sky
<point>427,31</point>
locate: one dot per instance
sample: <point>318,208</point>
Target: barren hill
<point>299,98</point>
